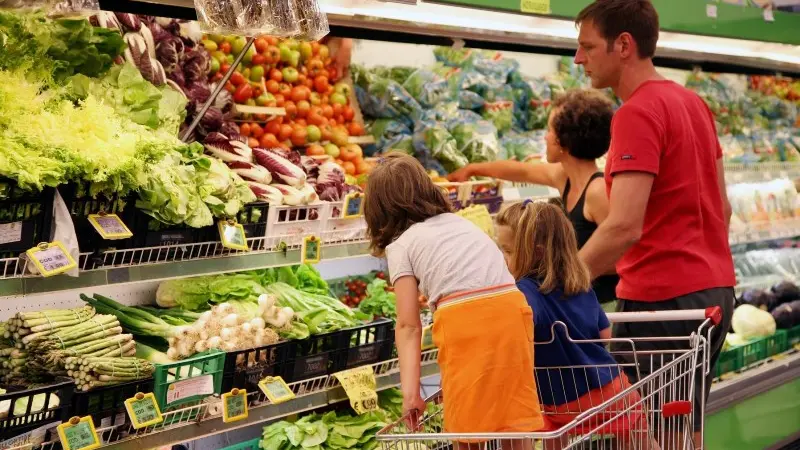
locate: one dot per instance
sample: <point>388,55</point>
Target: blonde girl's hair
<point>399,194</point>
<point>545,247</point>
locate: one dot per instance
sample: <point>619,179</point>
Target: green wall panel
<point>684,16</point>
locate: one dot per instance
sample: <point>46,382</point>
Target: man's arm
<point>547,174</point>
<point>630,193</point>
<point>727,211</point>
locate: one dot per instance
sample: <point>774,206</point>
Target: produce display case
<point>106,404</point>
<point>26,218</point>
<point>205,368</point>
<point>31,408</point>
<point>245,368</point>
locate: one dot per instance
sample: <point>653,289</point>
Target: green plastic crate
<point>210,363</point>
<point>246,445</point>
<point>793,336</point>
<point>737,358</point>
<point>729,361</point>
<point>777,343</point>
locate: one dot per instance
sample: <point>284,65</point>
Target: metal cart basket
<point>652,411</point>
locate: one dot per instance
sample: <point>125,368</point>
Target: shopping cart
<point>654,411</point>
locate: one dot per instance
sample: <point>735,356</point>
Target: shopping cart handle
<point>714,314</point>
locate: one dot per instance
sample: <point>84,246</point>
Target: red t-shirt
<point>667,130</point>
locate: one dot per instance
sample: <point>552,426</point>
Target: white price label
<point>52,259</point>
<point>10,232</point>
<point>711,11</point>
<point>179,390</point>
<point>768,16</point>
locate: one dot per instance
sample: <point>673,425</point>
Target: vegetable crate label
<point>143,410</point>
<point>353,205</point>
<point>276,390</point>
<point>427,338</point>
<point>359,384</point>
<point>110,226</point>
<point>78,434</point>
<point>10,232</point>
<point>311,251</point>
<point>234,405</point>
<point>232,235</point>
<point>51,259</point>
<point>179,390</point>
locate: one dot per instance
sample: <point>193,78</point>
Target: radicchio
<point>212,119</point>
<point>330,182</point>
<point>266,193</point>
<point>158,32</point>
<point>251,172</point>
<point>196,66</point>
<point>291,195</point>
<point>198,93</point>
<point>280,167</point>
<point>217,144</point>
<point>177,76</point>
<point>169,52</point>
<point>130,22</point>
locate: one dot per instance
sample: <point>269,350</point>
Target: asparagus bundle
<point>95,371</point>
<point>30,326</point>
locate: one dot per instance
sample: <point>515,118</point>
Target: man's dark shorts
<point>722,297</point>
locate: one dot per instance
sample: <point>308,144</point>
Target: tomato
<point>339,119</point>
<point>252,142</point>
<point>314,47</point>
<point>327,132</point>
<point>259,60</point>
<point>348,113</point>
<point>303,107</point>
<point>237,79</point>
<point>279,100</point>
<point>256,130</point>
<point>355,129</point>
<point>300,93</point>
<point>333,122</point>
<point>337,109</point>
<point>315,66</point>
<point>276,75</point>
<point>316,119</point>
<point>244,129</point>
<point>349,168</point>
<point>268,140</point>
<point>243,93</point>
<point>351,152</point>
<point>291,110</point>
<point>224,68</point>
<point>273,54</point>
<point>273,127</point>
<point>301,122</point>
<point>362,166</point>
<point>230,87</point>
<point>261,45</point>
<point>327,111</point>
<point>301,79</point>
<point>285,90</point>
<point>299,136</point>
<point>272,40</point>
<point>225,47</point>
<point>272,86</point>
<point>286,132</point>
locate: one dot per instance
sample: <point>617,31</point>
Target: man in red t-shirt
<point>667,226</point>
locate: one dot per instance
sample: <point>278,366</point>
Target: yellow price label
<point>359,384</point>
<point>479,215</point>
<point>276,390</point>
<point>232,236</point>
<point>51,258</point>
<point>535,6</point>
<point>78,434</point>
<point>234,405</point>
<point>311,251</point>
<point>353,205</point>
<point>109,226</point>
<point>143,410</point>
<point>427,338</point>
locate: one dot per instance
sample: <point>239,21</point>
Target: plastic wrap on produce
<point>501,114</point>
<point>477,140</point>
<point>22,4</point>
<point>72,8</point>
<point>522,146</point>
<point>247,17</point>
<point>313,23</point>
<point>432,140</point>
<point>383,98</point>
<point>428,88</point>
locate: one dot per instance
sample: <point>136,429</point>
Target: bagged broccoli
<point>496,68</point>
<point>521,146</point>
<point>432,140</point>
<point>384,130</point>
<point>452,57</point>
<point>501,114</point>
<point>401,143</point>
<point>477,140</point>
<point>427,88</point>
<point>395,73</point>
<point>384,98</point>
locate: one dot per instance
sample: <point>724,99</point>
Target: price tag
<point>276,390</point>
<point>768,16</point>
<point>535,6</point>
<point>232,235</point>
<point>190,387</point>
<point>143,410</point>
<point>110,226</point>
<point>353,205</point>
<point>78,434</point>
<point>234,405</point>
<point>711,11</point>
<point>427,338</point>
<point>359,384</point>
<point>311,251</point>
<point>51,259</point>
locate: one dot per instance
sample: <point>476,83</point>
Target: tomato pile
<point>299,77</point>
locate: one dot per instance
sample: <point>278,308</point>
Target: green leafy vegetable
<point>331,431</point>
<point>322,314</point>
<point>379,302</point>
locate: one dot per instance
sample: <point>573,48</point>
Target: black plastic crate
<point>81,204</point>
<point>312,357</point>
<point>27,419</point>
<point>26,217</point>
<point>364,345</point>
<point>253,218</point>
<point>106,404</point>
<point>245,368</point>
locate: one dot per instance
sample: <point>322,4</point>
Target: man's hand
<point>461,175</point>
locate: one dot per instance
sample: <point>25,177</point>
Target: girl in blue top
<point>542,253</point>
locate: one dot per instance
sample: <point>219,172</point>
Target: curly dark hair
<point>582,123</point>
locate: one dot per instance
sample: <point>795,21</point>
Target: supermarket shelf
<point>159,263</point>
<point>764,171</point>
<point>736,388</point>
<point>750,233</point>
<point>311,395</point>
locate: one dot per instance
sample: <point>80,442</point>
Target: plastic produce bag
<point>427,88</point>
<point>501,114</point>
<point>247,17</point>
<point>383,98</point>
<point>312,22</point>
<point>496,68</point>
<point>452,57</point>
<point>22,4</point>
<point>521,146</point>
<point>477,140</point>
<point>386,130</point>
<point>432,140</point>
<point>72,8</point>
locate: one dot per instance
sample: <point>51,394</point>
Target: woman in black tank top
<point>578,132</point>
